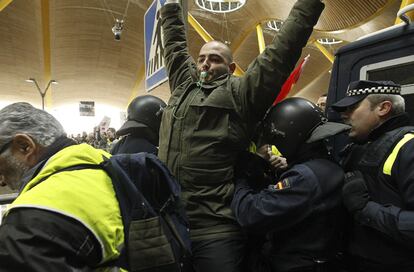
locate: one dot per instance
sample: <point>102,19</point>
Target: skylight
<point>275,25</point>
<point>329,41</point>
<point>220,6</point>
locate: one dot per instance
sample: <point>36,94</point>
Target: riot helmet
<point>144,112</point>
<point>294,122</point>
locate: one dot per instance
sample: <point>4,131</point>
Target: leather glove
<point>355,192</point>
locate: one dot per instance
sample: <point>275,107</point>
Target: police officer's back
<point>300,211</point>
<point>140,131</point>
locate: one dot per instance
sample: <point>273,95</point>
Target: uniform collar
<point>392,123</point>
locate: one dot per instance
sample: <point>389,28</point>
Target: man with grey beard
<point>58,222</point>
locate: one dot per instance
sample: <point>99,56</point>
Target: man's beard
<point>15,171</point>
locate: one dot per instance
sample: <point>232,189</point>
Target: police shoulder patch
<point>280,185</point>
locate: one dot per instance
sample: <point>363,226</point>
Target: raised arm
<point>267,73</point>
<point>177,59</point>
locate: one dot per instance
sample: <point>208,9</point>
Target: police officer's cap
<point>358,90</point>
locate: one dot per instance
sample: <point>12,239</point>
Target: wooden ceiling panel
<point>342,14</point>
<point>85,48</point>
<point>89,64</point>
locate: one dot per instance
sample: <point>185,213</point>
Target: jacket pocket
<point>149,247</point>
<point>212,123</point>
<point>207,174</point>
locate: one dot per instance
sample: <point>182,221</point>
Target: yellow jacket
<point>86,196</point>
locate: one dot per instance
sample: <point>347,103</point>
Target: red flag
<point>292,79</point>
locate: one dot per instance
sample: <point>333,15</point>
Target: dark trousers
<point>218,255</point>
<point>357,264</point>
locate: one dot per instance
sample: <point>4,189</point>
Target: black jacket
<point>382,234</point>
<point>33,240</point>
<point>133,144</point>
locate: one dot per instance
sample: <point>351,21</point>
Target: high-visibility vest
<point>85,195</point>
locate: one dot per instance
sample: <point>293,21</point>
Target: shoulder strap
<point>71,168</point>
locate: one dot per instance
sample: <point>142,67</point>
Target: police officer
<point>140,131</point>
<point>379,185</point>
<point>300,211</point>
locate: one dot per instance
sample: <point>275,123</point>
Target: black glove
<point>355,192</point>
<point>251,168</point>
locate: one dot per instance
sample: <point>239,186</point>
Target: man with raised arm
<point>211,117</point>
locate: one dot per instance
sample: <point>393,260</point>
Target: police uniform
<point>300,211</point>
<point>379,189</point>
<point>134,143</point>
<point>382,234</point>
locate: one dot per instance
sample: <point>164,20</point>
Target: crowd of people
<point>249,209</point>
<point>103,140</point>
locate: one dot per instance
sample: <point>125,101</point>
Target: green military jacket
<point>204,127</point>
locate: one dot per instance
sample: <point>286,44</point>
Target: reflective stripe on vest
<point>85,195</point>
<point>391,158</point>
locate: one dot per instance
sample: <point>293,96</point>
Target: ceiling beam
<point>4,4</point>
<point>46,48</point>
<point>260,38</point>
<point>324,51</point>
<point>199,29</point>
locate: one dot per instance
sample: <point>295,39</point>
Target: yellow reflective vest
<point>85,195</point>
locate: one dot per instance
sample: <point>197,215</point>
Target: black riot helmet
<point>144,112</point>
<point>294,122</point>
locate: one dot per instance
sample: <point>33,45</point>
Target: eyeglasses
<point>5,146</point>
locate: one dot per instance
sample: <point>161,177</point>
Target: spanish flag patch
<point>280,185</point>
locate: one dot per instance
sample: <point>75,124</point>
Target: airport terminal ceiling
<point>71,41</point>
